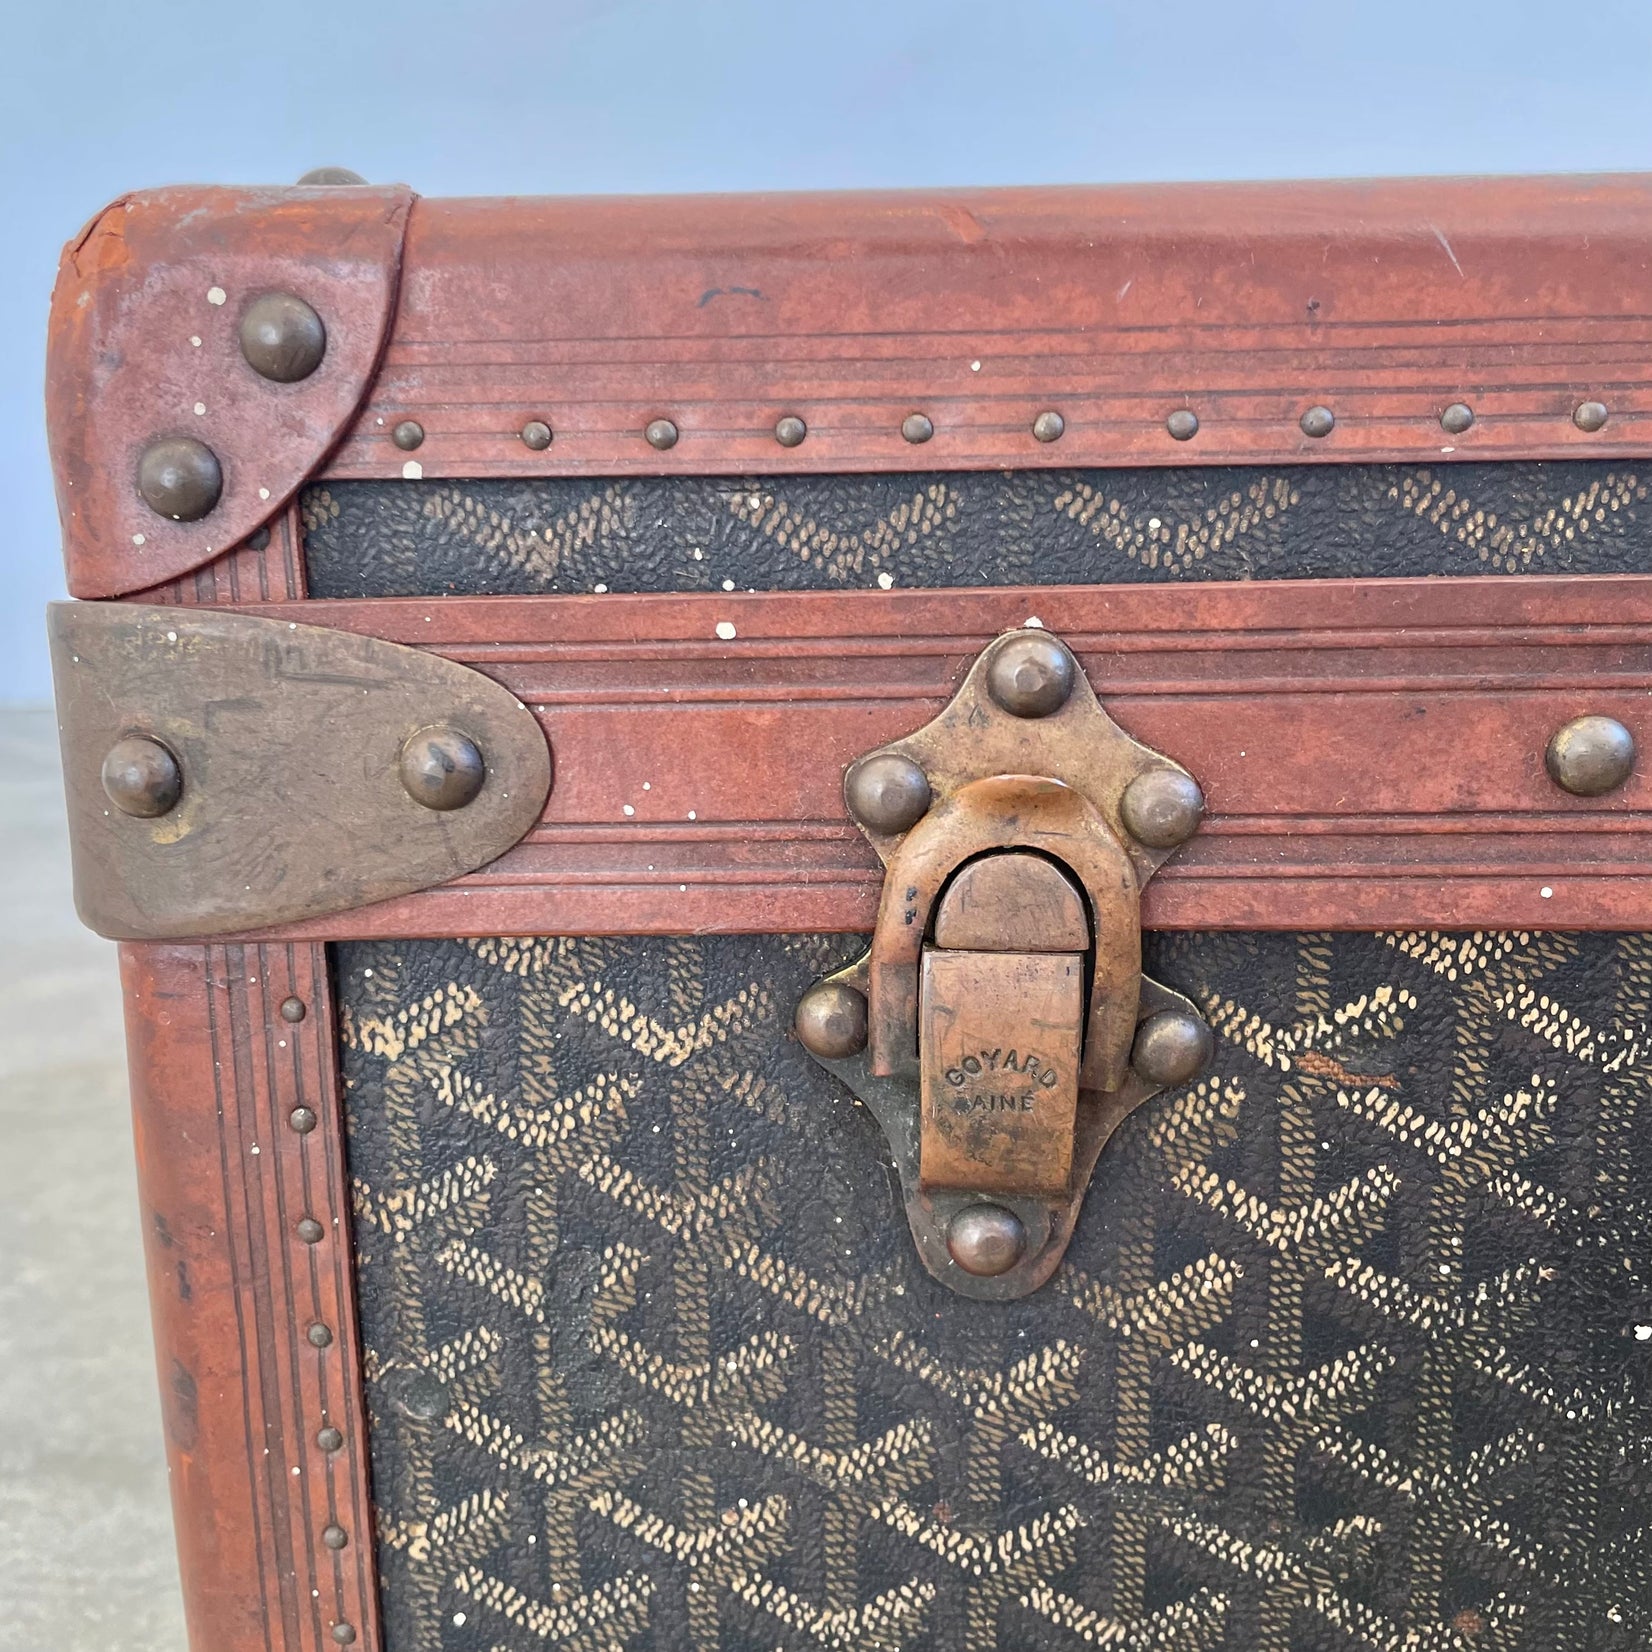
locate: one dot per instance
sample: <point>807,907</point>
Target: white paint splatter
<point>728,584</point>
<point>263,493</point>
<point>137,539</point>
<point>601,590</point>
<point>725,630</point>
<point>1033,623</point>
<point>626,809</point>
<point>412,470</point>
<point>195,339</point>
<point>200,410</point>
<point>1546,892</point>
<point>886,582</point>
<point>975,367</point>
<point>216,295</point>
<point>1643,1333</point>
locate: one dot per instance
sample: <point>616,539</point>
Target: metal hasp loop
<point>999,1026</point>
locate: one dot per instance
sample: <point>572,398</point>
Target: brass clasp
<point>999,1025</point>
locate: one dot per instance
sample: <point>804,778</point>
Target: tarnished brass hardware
<point>999,1026</point>
<point>1590,756</point>
<point>226,772</point>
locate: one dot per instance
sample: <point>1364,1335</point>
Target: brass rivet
<point>986,1240</point>
<point>660,433</point>
<point>1183,424</point>
<point>141,777</point>
<point>282,338</point>
<point>318,1336</point>
<point>180,478</point>
<point>1318,422</point>
<point>259,539</point>
<point>1590,416</point>
<point>310,1230</point>
<point>886,791</point>
<point>302,1119</point>
<point>1590,756</point>
<point>343,1633</point>
<point>1456,418</point>
<point>407,435</point>
<point>790,430</point>
<point>293,1009</point>
<point>331,175</point>
<point>1162,808</point>
<point>1172,1047</point>
<point>831,1020</point>
<point>329,1439</point>
<point>1031,674</point>
<point>1048,426</point>
<point>916,427</point>
<point>335,1537</point>
<point>442,768</point>
<point>417,1395</point>
<point>536,434</point>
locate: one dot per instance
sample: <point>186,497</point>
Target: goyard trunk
<point>880,921</point>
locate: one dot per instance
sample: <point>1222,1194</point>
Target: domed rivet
<point>536,434</point>
<point>790,431</point>
<point>407,435</point>
<point>986,1240</point>
<point>831,1020</point>
<point>417,1395</point>
<point>141,777</point>
<point>302,1119</point>
<point>916,427</point>
<point>259,539</point>
<point>1172,1047</point>
<point>180,478</point>
<point>1590,756</point>
<point>1031,674</point>
<point>1317,422</point>
<point>310,1230</point>
<point>1457,418</point>
<point>343,1633</point>
<point>1183,424</point>
<point>442,768</point>
<point>1048,426</point>
<point>329,1439</point>
<point>1590,416</point>
<point>661,434</point>
<point>282,338</point>
<point>331,175</point>
<point>318,1336</point>
<point>293,1009</point>
<point>1162,808</point>
<point>887,792</point>
<point>335,1537</point>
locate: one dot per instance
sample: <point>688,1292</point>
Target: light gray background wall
<point>544,96</point>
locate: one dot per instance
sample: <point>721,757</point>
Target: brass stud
<point>302,1119</point>
<point>1031,674</point>
<point>1590,416</point>
<point>259,539</point>
<point>329,1439</point>
<point>886,791</point>
<point>282,338</point>
<point>333,175</point>
<point>986,1240</point>
<point>1318,422</point>
<point>310,1230</point>
<point>661,434</point>
<point>293,1009</point>
<point>335,1537</point>
<point>417,1395</point>
<point>1172,1047</point>
<point>916,427</point>
<point>408,435</point>
<point>1457,418</point>
<point>536,434</point>
<point>1049,426</point>
<point>142,778</point>
<point>442,768</point>
<point>180,478</point>
<point>790,430</point>
<point>1183,424</point>
<point>1590,756</point>
<point>343,1633</point>
<point>318,1336</point>
<point>831,1020</point>
<point>1162,808</point>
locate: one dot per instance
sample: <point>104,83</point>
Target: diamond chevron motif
<point>1352,1349</point>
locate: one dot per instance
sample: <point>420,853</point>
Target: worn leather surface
<point>975,528</point>
<point>1352,1345</point>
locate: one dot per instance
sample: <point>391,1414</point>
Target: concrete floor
<point>86,1560</point>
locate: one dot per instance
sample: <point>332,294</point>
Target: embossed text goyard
<point>908,922</point>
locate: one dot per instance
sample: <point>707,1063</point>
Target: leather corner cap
<point>150,387</point>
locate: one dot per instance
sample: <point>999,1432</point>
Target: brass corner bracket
<point>999,1026</point>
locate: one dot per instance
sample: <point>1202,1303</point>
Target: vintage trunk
<point>910,921</point>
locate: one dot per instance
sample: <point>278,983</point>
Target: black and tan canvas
<point>1352,1347</point>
